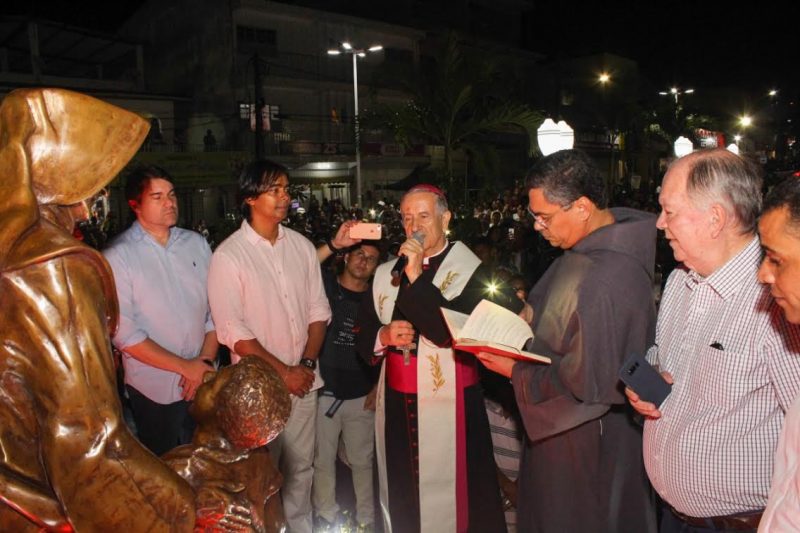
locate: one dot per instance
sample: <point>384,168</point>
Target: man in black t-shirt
<point>346,406</point>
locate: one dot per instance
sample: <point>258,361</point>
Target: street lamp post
<point>347,48</point>
<point>604,78</point>
<point>744,121</point>
<point>676,93</point>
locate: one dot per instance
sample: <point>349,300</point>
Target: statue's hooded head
<point>58,148</point>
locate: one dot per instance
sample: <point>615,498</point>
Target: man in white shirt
<point>267,298</point>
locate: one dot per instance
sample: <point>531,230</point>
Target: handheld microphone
<point>402,261</point>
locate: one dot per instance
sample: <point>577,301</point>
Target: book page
<point>492,322</point>
<point>455,321</point>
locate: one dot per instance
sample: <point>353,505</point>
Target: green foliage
<point>457,96</point>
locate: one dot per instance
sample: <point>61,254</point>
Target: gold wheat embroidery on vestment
<point>381,300</point>
<point>436,372</point>
<point>448,280</point>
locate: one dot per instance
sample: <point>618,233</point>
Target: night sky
<point>682,42</point>
<point>688,43</point>
<point>101,16</point>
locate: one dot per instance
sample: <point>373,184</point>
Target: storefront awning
<point>322,172</point>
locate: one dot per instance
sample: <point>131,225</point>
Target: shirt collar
<point>138,233</point>
<point>726,280</point>
<point>426,260</point>
<point>254,238</point>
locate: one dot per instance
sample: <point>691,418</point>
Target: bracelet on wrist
<point>334,249</point>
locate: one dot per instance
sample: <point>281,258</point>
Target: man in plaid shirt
<point>722,341</point>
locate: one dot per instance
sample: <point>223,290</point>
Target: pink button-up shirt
<point>267,292</point>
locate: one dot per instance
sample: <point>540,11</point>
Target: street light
<point>604,78</point>
<point>773,92</point>
<point>746,121</point>
<point>554,137</point>
<point>347,48</point>
<point>675,92</point>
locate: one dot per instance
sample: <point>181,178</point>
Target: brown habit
<point>582,466</point>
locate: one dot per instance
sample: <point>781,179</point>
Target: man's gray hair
<point>441,200</point>
<point>720,176</point>
<point>567,175</point>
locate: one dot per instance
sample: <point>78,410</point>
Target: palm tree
<point>455,99</point>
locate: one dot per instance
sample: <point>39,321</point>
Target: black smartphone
<point>644,380</point>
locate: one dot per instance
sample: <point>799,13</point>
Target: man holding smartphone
<point>346,409</point>
<point>733,361</point>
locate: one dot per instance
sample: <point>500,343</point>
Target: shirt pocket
<point>726,378</point>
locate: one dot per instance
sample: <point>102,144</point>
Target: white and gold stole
<point>436,400</point>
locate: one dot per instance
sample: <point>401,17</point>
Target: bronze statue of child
<point>238,411</point>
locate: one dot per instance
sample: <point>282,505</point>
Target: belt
<point>738,522</point>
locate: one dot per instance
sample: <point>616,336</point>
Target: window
<point>262,39</point>
<point>398,56</point>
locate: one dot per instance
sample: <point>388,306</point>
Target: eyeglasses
<point>544,219</point>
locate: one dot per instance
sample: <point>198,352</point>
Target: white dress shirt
<point>267,292</point>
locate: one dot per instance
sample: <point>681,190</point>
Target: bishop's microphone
<point>402,261</point>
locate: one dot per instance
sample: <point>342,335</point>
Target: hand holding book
<point>492,329</point>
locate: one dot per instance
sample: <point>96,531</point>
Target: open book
<point>491,328</point>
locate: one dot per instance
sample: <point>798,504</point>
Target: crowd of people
<point>340,352</point>
<point>489,443</point>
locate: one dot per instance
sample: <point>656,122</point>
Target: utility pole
<point>258,100</point>
<point>358,132</point>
